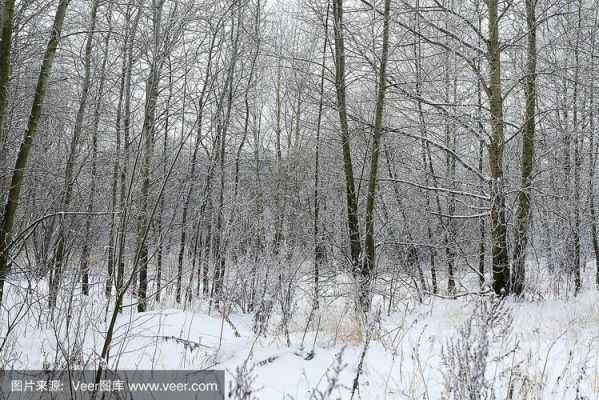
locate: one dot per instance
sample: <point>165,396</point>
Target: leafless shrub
<point>262,316</point>
<point>241,388</point>
<point>332,378</point>
<point>466,358</point>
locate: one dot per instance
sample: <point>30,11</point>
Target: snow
<point>555,342</point>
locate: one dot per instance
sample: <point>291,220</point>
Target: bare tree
<point>523,211</point>
<point>10,209</point>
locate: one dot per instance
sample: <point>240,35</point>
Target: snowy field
<point>534,349</point>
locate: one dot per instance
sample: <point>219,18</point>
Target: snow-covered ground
<point>551,350</point>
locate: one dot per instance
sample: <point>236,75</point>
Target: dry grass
<point>340,324</point>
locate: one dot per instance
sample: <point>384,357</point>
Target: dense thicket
<point>228,149</point>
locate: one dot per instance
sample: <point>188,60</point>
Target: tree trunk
<point>279,180</point>
<point>422,131</point>
<point>577,158</point>
<point>593,165</point>
<point>481,225</point>
<point>69,177</point>
<point>220,256</point>
<point>350,189</point>
<point>16,183</point>
<point>369,263</point>
<point>159,217</point>
<point>318,245</point>
<point>501,272</point>
<point>192,172</point>
<point>123,193</point>
<point>147,138</point>
<point>523,213</point>
<point>259,232</point>
<point>85,252</point>
<point>5,60</point>
<point>481,156</point>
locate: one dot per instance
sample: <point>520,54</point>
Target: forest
<point>326,199</point>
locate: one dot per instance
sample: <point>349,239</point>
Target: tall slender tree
<point>147,139</point>
<point>523,213</point>
<point>369,264</point>
<point>353,225</point>
<point>8,13</point>
<point>69,178</point>
<point>501,268</point>
<point>16,183</point>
